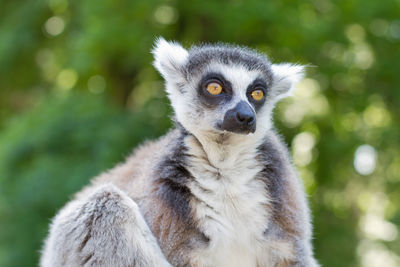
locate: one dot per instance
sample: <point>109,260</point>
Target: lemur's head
<point>220,89</point>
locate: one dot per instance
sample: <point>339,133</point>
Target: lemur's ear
<point>286,76</point>
<point>169,57</point>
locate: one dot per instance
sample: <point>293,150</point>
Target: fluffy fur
<point>199,196</point>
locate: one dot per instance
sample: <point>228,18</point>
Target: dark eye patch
<point>257,84</point>
<point>209,100</point>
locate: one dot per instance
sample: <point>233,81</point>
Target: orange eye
<point>214,88</point>
<point>257,94</point>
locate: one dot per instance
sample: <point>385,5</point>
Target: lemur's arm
<point>105,228</point>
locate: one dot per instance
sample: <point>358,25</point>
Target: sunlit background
<point>78,92</point>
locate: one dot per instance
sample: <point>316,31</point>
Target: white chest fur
<point>230,206</point>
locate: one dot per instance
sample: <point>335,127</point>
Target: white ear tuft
<point>169,57</point>
<point>286,76</point>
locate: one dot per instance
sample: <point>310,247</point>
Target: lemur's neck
<point>223,150</point>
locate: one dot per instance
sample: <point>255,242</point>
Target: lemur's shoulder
<point>135,175</point>
<point>285,187</point>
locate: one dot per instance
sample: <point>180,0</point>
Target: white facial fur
<point>170,61</point>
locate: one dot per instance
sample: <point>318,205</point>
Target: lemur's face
<point>226,98</point>
<point>222,89</point>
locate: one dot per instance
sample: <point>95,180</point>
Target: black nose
<point>240,119</point>
<point>245,116</point>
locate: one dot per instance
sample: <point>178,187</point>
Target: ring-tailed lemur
<point>217,191</point>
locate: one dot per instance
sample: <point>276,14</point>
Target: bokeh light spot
<point>54,26</point>
<point>67,78</point>
<point>376,116</point>
<point>303,144</point>
<point>379,27</point>
<point>375,227</point>
<point>355,33</point>
<point>96,84</point>
<point>375,254</point>
<point>363,56</point>
<point>365,159</point>
<point>307,88</point>
<point>166,15</point>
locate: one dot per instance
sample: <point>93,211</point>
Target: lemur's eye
<point>214,88</point>
<point>257,94</point>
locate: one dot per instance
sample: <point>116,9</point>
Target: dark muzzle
<point>241,119</point>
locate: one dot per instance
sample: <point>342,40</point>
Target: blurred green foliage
<point>78,92</point>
